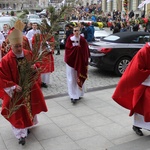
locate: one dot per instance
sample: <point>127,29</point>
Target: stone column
<point>134,5</point>
<point>103,5</point>
<point>108,6</point>
<point>115,4</point>
<point>147,10</point>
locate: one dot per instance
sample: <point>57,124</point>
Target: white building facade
<point>106,6</point>
<point>118,5</point>
<point>18,4</point>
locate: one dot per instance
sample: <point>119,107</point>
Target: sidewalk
<point>96,122</point>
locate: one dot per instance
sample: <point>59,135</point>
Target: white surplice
<point>30,35</point>
<point>74,91</point>
<point>139,119</point>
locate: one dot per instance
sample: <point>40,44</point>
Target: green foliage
<point>26,11</point>
<point>141,21</point>
<point>144,25</point>
<point>51,9</point>
<point>58,16</point>
<point>12,13</point>
<point>21,15</point>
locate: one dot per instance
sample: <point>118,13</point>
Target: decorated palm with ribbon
<point>125,5</point>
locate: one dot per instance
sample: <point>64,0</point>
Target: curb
<point>88,90</point>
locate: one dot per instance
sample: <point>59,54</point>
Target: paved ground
<point>96,122</point>
<point>96,80</point>
<point>58,85</point>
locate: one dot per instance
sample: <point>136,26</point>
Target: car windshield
<point>7,20</point>
<point>33,16</point>
<point>111,38</point>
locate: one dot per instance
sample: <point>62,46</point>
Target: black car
<point>62,38</point>
<point>114,52</point>
<point>62,33</point>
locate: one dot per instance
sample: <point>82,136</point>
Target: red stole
<point>77,58</point>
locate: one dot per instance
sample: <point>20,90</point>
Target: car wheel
<point>121,65</point>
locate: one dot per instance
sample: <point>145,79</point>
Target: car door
<point>137,43</point>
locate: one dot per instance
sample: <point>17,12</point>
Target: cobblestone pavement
<point>58,85</point>
<point>96,79</point>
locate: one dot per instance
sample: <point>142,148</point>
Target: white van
<point>10,20</point>
<point>43,12</point>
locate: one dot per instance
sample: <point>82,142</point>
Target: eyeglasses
<point>75,30</point>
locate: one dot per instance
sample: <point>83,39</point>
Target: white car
<point>33,18</point>
<point>43,12</point>
<point>7,20</point>
<point>85,21</point>
<point>100,33</point>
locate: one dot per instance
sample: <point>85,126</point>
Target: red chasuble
<point>9,77</point>
<point>130,93</point>
<point>47,64</point>
<point>77,58</point>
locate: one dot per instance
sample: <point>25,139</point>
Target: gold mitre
<point>15,37</point>
<point>19,25</point>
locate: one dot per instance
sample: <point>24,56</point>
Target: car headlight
<point>62,41</point>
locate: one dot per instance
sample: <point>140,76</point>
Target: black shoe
<point>44,85</point>
<point>57,53</point>
<point>28,131</point>
<point>73,100</point>
<point>22,141</point>
<point>137,130</point>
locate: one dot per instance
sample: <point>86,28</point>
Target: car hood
<point>101,33</point>
<point>35,20</point>
<point>113,45</point>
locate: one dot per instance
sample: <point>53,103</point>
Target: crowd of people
<point>22,75</point>
<point>117,21</point>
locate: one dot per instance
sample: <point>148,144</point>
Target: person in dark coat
<point>131,14</point>
<point>69,31</point>
<point>136,26</point>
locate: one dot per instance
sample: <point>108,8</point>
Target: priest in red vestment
<point>45,43</point>
<point>25,43</point>
<point>21,95</point>
<point>133,89</point>
<point>76,58</point>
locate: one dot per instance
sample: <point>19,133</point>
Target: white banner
<point>108,1</point>
<point>147,1</point>
<point>143,3</point>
